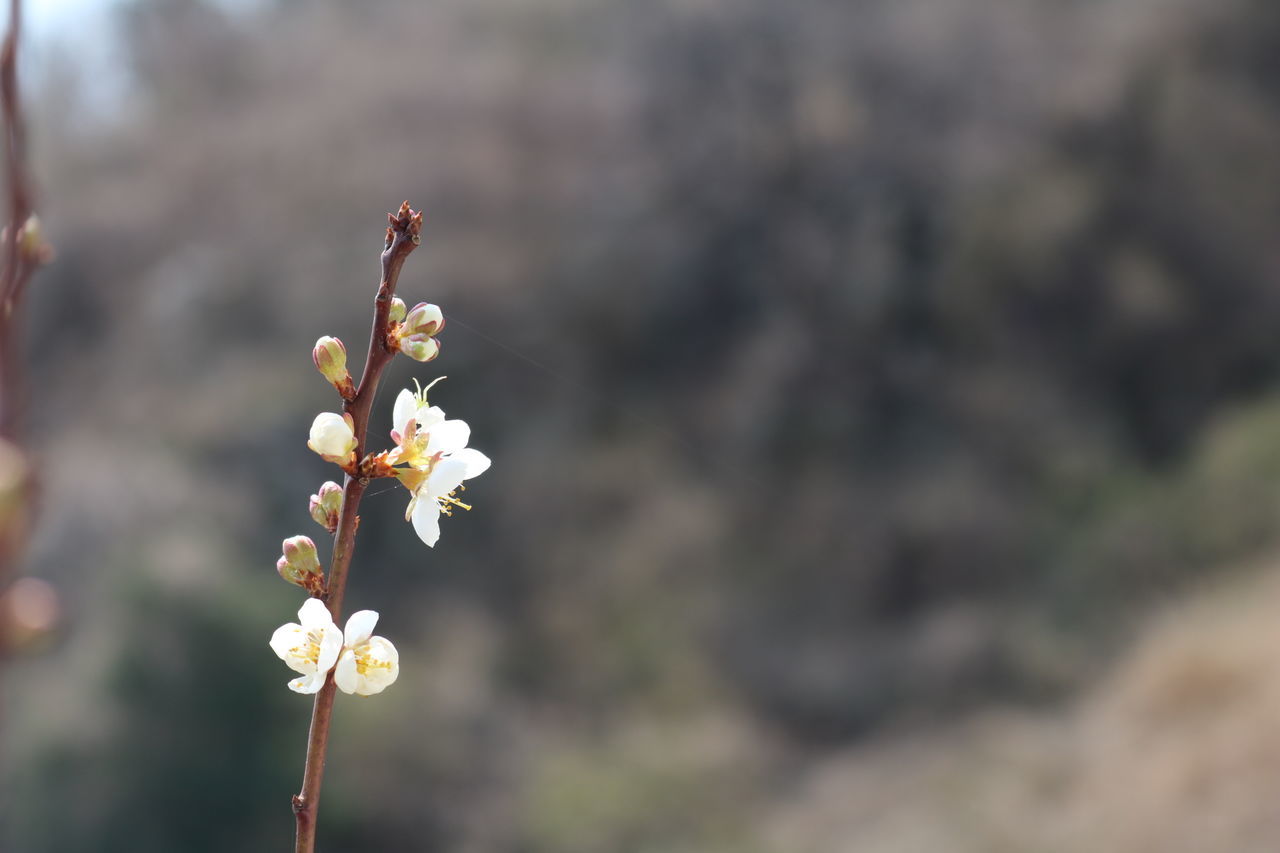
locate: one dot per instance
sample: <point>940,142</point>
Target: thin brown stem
<point>402,238</point>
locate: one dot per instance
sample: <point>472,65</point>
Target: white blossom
<point>368,664</point>
<point>435,449</point>
<point>311,647</point>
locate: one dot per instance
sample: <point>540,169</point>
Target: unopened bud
<point>333,436</point>
<point>13,472</point>
<point>31,242</point>
<point>420,347</point>
<point>299,564</point>
<point>15,476</point>
<point>398,310</point>
<point>416,335</point>
<point>330,357</point>
<point>425,319</point>
<point>300,551</point>
<point>326,505</point>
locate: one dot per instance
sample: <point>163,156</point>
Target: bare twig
<point>402,238</point>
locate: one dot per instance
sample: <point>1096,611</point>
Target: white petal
<point>308,683</point>
<point>429,416</point>
<point>477,463</point>
<point>446,476</point>
<point>448,437</point>
<point>314,614</point>
<point>405,408</point>
<point>330,647</point>
<point>345,675</point>
<point>360,627</point>
<point>286,637</point>
<point>426,522</point>
<point>381,649</point>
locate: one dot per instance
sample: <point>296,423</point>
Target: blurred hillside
<point>849,368</point>
<point>1174,751</point>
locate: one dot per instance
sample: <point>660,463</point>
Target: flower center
<point>310,650</point>
<point>366,661</point>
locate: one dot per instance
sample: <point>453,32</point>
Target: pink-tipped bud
<point>330,357</point>
<point>398,310</point>
<point>300,565</point>
<point>424,320</point>
<point>420,347</point>
<point>300,551</point>
<point>326,505</point>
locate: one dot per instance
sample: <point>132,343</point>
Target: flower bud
<point>15,483</point>
<point>326,505</point>
<point>333,437</point>
<point>397,310</point>
<point>300,565</point>
<point>31,242</point>
<point>14,472</point>
<point>300,552</point>
<point>420,348</point>
<point>425,319</point>
<point>330,357</point>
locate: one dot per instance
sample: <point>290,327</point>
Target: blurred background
<point>884,400</point>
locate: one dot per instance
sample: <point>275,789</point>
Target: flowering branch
<point>403,236</point>
<point>430,459</point>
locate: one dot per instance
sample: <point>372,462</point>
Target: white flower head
<point>435,449</point>
<point>333,436</point>
<point>368,664</point>
<point>310,648</point>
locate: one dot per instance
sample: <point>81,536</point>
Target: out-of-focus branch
<point>22,250</point>
<point>402,238</point>
<point>17,263</point>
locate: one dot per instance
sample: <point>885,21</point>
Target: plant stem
<point>402,238</point>
<point>16,268</point>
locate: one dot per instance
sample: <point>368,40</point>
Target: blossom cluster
<point>430,459</point>
<point>361,663</point>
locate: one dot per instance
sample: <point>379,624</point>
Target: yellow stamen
<point>450,499</point>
